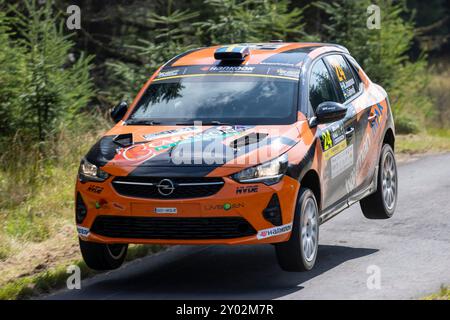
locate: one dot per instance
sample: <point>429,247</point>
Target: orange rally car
<point>239,144</point>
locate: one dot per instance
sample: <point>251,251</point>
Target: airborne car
<point>239,144</point>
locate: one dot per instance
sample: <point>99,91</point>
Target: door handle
<point>350,131</point>
<point>372,117</point>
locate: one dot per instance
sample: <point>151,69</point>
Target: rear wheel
<point>382,204</point>
<point>99,256</point>
<point>300,252</point>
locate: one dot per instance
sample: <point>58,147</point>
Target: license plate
<point>166,210</point>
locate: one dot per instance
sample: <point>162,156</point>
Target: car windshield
<point>230,99</point>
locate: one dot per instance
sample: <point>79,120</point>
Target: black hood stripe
<point>297,171</point>
<point>102,152</point>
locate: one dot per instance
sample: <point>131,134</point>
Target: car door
<point>370,115</point>
<point>336,138</point>
<point>351,91</point>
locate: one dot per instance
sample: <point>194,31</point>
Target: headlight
<point>270,172</point>
<point>90,172</point>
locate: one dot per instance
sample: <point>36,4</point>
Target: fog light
<point>80,209</point>
<point>273,211</point>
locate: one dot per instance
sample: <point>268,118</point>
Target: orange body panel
<point>248,206</point>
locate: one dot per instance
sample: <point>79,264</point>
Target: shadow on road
<point>215,272</point>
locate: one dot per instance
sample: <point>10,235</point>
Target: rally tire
<point>296,255</point>
<point>382,204</point>
<point>99,256</point>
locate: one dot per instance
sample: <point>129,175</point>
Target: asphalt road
<point>410,252</point>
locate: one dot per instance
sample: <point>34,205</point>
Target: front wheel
<point>382,204</point>
<point>99,256</point>
<point>300,252</point>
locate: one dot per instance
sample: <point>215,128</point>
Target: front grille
<point>184,188</point>
<point>172,228</point>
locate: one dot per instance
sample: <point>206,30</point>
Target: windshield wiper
<point>142,122</point>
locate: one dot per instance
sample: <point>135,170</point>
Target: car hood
<point>144,149</point>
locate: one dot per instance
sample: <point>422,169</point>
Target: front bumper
<point>102,200</point>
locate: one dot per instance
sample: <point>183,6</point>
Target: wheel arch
<point>389,138</point>
<point>311,181</point>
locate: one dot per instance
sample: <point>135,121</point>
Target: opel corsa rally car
<point>239,144</point>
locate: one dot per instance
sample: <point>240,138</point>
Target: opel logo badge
<point>166,187</point>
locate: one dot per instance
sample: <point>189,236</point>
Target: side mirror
<point>119,111</point>
<point>330,111</point>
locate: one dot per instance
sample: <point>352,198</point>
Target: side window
<point>321,86</point>
<point>344,76</point>
<point>355,66</point>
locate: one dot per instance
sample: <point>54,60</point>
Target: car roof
<point>276,53</point>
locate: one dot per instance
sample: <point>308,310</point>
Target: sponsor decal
<point>95,189</point>
<point>102,203</point>
<point>335,150</point>
<point>166,210</point>
<point>349,92</point>
<point>225,206</point>
<point>82,231</point>
<point>278,64</point>
<point>347,86</point>
<point>137,152</point>
<point>232,69</point>
<point>215,133</point>
<point>288,71</point>
<point>167,145</point>
<point>169,73</point>
<point>350,183</point>
<point>159,142</point>
<point>272,232</point>
<point>378,111</point>
<point>337,133</point>
<point>247,189</point>
<point>341,162</point>
<point>171,133</point>
<point>339,72</point>
<point>332,136</point>
<point>326,140</point>
<point>292,73</point>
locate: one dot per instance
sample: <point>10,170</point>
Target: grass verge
<point>54,279</point>
<point>430,142</point>
<point>444,294</point>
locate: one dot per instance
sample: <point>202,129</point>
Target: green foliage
<point>439,89</point>
<point>43,91</point>
<point>11,76</point>
<point>406,125</point>
<point>57,87</point>
<point>172,34</point>
<point>227,21</point>
<point>277,21</point>
<point>233,21</point>
<point>46,84</point>
<point>433,141</point>
<point>36,193</point>
<point>383,53</point>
